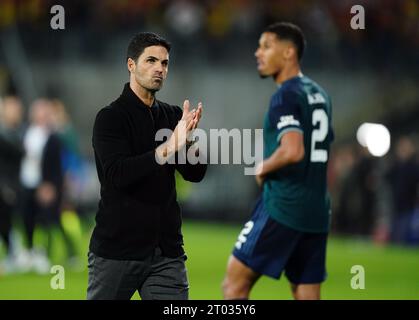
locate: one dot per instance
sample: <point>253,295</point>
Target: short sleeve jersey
<point>296,195</point>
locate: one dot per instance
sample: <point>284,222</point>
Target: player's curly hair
<point>291,32</point>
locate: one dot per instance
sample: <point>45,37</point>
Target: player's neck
<point>287,73</point>
<point>145,96</point>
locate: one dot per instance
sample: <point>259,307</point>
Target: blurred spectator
<point>185,17</point>
<point>70,154</point>
<point>11,152</point>
<point>404,180</point>
<point>42,179</point>
<point>72,166</point>
<point>356,208</point>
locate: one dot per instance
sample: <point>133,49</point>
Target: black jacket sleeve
<point>112,148</point>
<point>190,172</point>
<point>12,150</point>
<point>52,171</point>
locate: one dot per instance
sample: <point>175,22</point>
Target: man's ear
<point>130,65</point>
<point>289,52</point>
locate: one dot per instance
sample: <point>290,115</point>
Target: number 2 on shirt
<point>319,135</point>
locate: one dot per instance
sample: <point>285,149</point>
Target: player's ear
<point>131,65</point>
<point>289,52</point>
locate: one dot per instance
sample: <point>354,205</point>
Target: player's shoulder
<point>108,112</point>
<point>109,117</point>
<point>288,91</point>
<point>112,110</point>
<point>294,84</point>
<point>116,108</point>
<point>314,86</point>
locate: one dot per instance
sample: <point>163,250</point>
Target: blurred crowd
<point>392,27</point>
<point>41,173</point>
<point>377,197</point>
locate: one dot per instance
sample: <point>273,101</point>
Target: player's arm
<point>285,116</point>
<point>291,150</point>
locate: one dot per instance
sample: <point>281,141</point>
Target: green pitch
<point>390,272</point>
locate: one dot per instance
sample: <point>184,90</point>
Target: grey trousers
<point>155,278</point>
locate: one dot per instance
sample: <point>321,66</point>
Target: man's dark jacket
<point>11,153</point>
<point>52,172</point>
<point>138,210</point>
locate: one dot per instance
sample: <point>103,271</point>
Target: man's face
<point>150,69</point>
<point>40,113</point>
<point>12,111</point>
<point>271,54</point>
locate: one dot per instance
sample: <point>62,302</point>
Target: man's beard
<point>153,89</point>
<point>148,85</point>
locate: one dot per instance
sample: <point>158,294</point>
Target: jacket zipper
<point>154,124</point>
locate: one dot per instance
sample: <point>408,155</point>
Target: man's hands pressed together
<point>183,130</point>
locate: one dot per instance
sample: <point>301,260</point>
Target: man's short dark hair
<point>291,32</point>
<point>143,40</point>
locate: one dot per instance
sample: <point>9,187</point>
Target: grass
<point>390,272</point>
